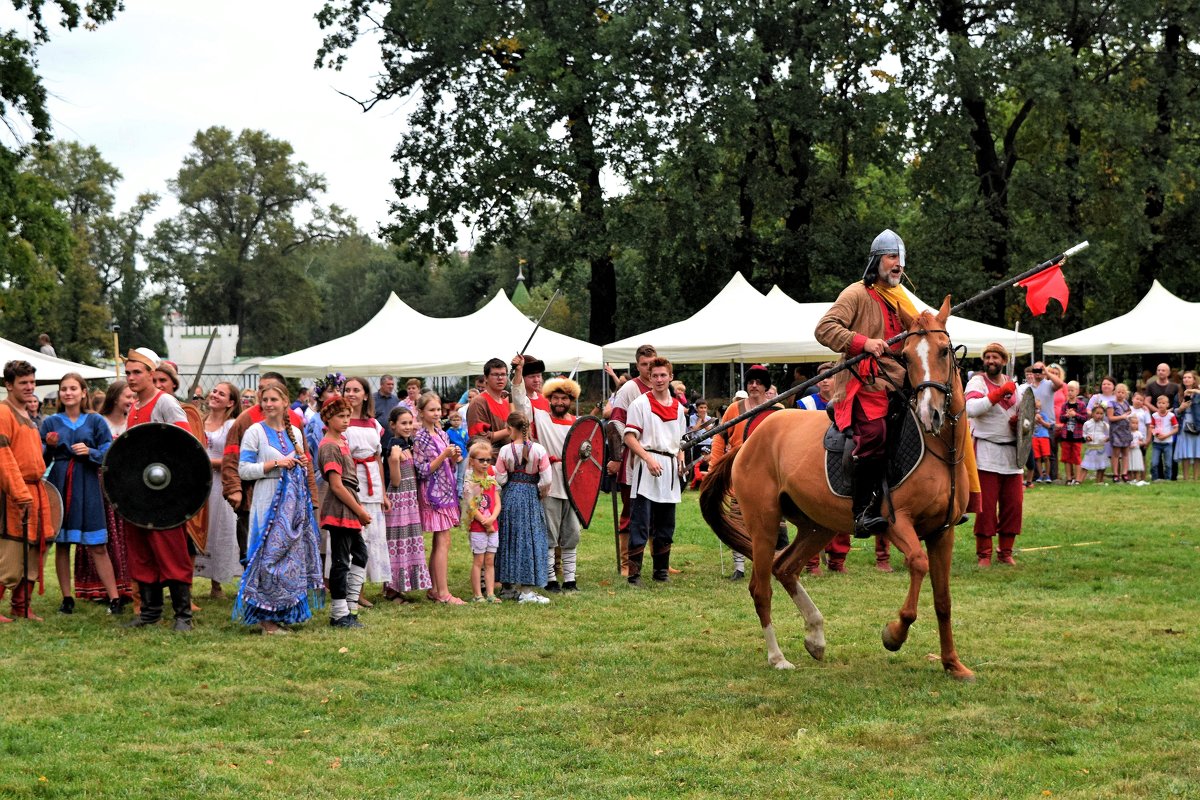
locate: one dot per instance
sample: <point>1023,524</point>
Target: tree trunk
<point>593,231</point>
<point>1159,155</point>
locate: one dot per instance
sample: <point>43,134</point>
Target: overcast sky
<point>141,86</point>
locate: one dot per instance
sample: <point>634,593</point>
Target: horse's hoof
<point>890,642</point>
<point>959,673</point>
<point>783,663</point>
<point>817,651</point>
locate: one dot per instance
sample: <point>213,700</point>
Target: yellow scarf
<point>895,297</point>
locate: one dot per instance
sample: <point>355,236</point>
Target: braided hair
<point>282,391</point>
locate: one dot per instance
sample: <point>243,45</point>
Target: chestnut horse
<point>778,474</point>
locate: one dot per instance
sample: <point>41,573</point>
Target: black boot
<point>662,565</point>
<point>635,566</point>
<point>151,595</point>
<point>181,604</point>
<point>868,496</point>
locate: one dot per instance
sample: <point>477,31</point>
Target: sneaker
<point>68,606</point>
<point>508,594</point>
<point>532,597</point>
<point>348,621</point>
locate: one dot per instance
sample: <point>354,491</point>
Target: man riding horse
<point>865,315</point>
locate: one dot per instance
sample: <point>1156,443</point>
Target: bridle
<point>952,457</point>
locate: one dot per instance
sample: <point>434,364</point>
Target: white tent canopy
<point>499,330</point>
<point>49,369</point>
<point>776,328</point>
<point>739,324</point>
<point>404,341</point>
<point>1160,323</point>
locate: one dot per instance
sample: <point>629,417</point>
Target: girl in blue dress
<point>75,443</point>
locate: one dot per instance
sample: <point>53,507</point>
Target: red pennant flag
<point>1045,286</point>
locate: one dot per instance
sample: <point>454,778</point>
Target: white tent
<point>775,328</point>
<point>386,343</point>
<point>975,335</point>
<point>404,341</point>
<point>50,369</point>
<point>499,330</point>
<point>1160,323</point>
<point>736,325</point>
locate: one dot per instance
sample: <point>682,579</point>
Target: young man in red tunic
<point>158,560</point>
<point>487,414</point>
<point>26,524</point>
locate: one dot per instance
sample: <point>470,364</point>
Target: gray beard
<point>889,280</point>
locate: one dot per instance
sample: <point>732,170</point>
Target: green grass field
<point>1087,659</point>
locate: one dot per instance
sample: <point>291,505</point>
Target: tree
<point>34,237</point>
<point>231,256</point>
<point>100,280</point>
<point>517,104</point>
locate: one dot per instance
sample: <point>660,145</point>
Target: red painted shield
<point>583,465</point>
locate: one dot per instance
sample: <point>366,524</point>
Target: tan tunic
<point>852,319</point>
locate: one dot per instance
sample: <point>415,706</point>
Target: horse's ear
<point>906,319</point>
<point>944,312</point>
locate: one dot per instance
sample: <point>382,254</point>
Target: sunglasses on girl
<point>483,460</point>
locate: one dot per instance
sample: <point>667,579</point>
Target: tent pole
<point>1110,363</point>
<point>703,383</point>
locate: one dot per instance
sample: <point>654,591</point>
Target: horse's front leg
<point>904,537</point>
<point>940,553</point>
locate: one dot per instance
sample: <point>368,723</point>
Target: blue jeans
<point>1160,454</point>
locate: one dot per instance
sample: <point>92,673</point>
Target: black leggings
<point>346,547</point>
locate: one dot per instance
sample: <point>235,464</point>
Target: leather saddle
<point>905,449</point>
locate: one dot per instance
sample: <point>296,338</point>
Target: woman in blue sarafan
<point>75,443</point>
<point>283,562</point>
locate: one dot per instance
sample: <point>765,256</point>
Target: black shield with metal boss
<point>156,476</point>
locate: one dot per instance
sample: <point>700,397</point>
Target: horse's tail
<point>715,506</point>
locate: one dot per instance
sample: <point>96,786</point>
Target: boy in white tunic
<point>655,424</point>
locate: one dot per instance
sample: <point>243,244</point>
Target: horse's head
<point>931,365</point>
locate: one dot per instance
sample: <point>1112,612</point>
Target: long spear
<point>203,361</point>
<point>691,438</point>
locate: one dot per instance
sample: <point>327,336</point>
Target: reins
<point>953,457</point>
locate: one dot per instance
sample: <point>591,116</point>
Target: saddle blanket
<point>905,451</point>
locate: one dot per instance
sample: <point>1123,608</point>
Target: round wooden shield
<point>1026,411</point>
<point>156,476</point>
<point>583,466</point>
<point>54,503</point>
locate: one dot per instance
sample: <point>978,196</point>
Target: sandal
<point>432,595</point>
<point>491,598</point>
<point>451,600</point>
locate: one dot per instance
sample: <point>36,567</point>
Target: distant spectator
<point>412,389</point>
<point>1163,425</point>
<point>1095,436</point>
<point>45,347</point>
<point>1162,385</point>
<point>385,400</point>
<point>1119,434</point>
<point>466,397</point>
<point>34,408</point>
<point>1070,432</point>
<point>1187,441</point>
